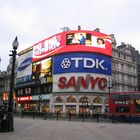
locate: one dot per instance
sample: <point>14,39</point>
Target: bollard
<point>22,114</point>
<point>69,116</point>
<point>130,119</point>
<point>83,117</point>
<point>33,115</point>
<point>97,117</point>
<point>57,115</point>
<point>113,118</point>
<point>45,115</point>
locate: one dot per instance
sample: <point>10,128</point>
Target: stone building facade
<point>124,70</point>
<point>5,79</point>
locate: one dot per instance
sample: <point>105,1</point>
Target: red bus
<point>125,105</point>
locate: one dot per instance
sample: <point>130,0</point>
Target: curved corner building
<point>67,72</point>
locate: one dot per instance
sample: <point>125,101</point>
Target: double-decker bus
<point>125,105</point>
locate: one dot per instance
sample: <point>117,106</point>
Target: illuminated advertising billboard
<point>42,69</point>
<point>24,66</point>
<point>80,82</point>
<point>47,47</point>
<point>23,99</point>
<point>86,39</point>
<point>73,41</point>
<point>82,63</point>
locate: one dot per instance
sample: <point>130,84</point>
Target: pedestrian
<point>1,113</point>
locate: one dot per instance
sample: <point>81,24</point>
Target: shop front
<point>79,103</point>
<point>38,103</point>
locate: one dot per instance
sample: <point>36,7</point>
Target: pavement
<point>37,129</point>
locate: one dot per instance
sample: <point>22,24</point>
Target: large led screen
<point>82,63</point>
<point>73,41</point>
<point>42,69</point>
<point>86,39</point>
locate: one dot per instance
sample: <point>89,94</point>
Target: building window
<point>124,56</point>
<point>97,100</point>
<point>21,92</point>
<point>36,90</point>
<point>84,99</point>
<point>119,54</point>
<point>71,99</point>
<point>27,90</point>
<point>59,99</point>
<point>122,66</point>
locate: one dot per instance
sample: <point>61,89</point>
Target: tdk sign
<point>25,64</point>
<point>87,63</point>
<point>82,62</point>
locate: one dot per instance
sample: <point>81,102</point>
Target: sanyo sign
<point>80,82</point>
<point>88,63</point>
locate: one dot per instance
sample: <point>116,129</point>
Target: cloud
<point>33,20</point>
<point>19,21</point>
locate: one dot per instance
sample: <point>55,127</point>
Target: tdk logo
<point>87,63</point>
<point>65,63</point>
<point>25,64</point>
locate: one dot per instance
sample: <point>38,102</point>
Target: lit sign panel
<point>24,79</point>
<point>42,69</point>
<point>26,98</point>
<point>89,42</point>
<point>73,82</point>
<point>73,41</point>
<point>82,63</point>
<point>86,39</point>
<point>46,47</point>
<point>24,66</point>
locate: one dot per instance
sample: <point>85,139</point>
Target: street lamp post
<point>10,103</point>
<point>40,97</point>
<point>84,105</point>
<point>109,85</point>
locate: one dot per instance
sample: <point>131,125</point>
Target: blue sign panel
<point>24,79</point>
<point>25,64</point>
<point>82,63</point>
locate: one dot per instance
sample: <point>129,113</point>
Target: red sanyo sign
<point>80,81</point>
<point>83,83</point>
<point>73,41</point>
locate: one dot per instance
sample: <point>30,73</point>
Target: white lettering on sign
<point>77,61</point>
<point>89,63</point>
<point>121,102</point>
<point>28,98</point>
<point>46,46</point>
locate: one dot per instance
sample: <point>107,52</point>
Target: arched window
<point>97,100</point>
<point>71,99</point>
<point>84,98</point>
<point>59,99</point>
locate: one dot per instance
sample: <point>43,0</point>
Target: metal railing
<point>83,117</point>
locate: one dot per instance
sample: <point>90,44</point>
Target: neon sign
<point>26,98</point>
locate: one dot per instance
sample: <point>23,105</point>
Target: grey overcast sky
<point>35,20</point>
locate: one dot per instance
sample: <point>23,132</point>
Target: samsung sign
<point>82,62</point>
<point>25,64</point>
